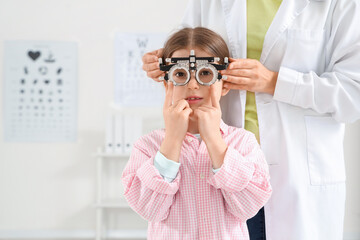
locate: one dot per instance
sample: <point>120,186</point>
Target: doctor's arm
<point>337,90</point>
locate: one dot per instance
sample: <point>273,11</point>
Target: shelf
<point>71,234</point>
<point>112,155</point>
<point>102,154</point>
<point>112,203</point>
<point>127,234</point>
<point>102,205</point>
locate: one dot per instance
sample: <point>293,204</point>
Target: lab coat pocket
<point>325,150</point>
<point>305,50</point>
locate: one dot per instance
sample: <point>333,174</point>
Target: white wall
<point>52,186</point>
<point>352,161</point>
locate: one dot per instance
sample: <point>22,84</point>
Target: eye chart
<point>132,86</point>
<point>40,91</point>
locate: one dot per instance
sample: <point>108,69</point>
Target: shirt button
<point>190,139</point>
<point>202,175</point>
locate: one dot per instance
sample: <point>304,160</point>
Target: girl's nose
<point>193,84</point>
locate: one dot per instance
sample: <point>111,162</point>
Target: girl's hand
<point>209,118</point>
<point>151,64</point>
<point>250,75</point>
<point>176,118</point>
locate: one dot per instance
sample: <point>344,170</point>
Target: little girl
<point>198,178</point>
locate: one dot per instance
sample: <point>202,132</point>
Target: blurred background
<point>49,188</point>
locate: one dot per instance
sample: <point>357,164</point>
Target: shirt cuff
<point>286,84</point>
<point>216,170</point>
<point>168,169</point>
<point>151,178</point>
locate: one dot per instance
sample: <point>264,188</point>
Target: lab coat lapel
<point>287,12</point>
<point>235,24</point>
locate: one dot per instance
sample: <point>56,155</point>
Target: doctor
<point>295,80</point>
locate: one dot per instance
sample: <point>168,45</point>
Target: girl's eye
<point>179,74</point>
<point>205,73</point>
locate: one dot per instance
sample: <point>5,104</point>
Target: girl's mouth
<point>193,99</point>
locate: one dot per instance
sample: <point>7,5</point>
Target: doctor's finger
<point>150,66</point>
<point>236,80</point>
<point>155,75</point>
<point>242,63</point>
<point>238,72</point>
<point>159,52</point>
<point>236,86</point>
<point>150,57</point>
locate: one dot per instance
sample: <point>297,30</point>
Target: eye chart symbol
<point>50,58</point>
<point>34,55</point>
<point>142,43</point>
<point>40,91</point>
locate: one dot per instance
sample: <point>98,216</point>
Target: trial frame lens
<point>206,74</point>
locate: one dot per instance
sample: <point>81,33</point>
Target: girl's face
<point>194,93</point>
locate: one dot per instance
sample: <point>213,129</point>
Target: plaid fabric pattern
<point>198,203</point>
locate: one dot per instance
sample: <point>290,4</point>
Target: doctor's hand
<point>151,64</point>
<point>250,75</point>
<point>176,118</point>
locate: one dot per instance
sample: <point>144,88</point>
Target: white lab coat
<point>315,47</point>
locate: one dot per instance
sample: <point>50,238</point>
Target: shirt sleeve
<point>145,190</point>
<point>168,169</point>
<point>244,180</point>
<point>336,91</point>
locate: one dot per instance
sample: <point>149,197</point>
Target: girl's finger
<point>197,111</point>
<point>169,94</point>
<point>187,111</point>
<point>214,101</point>
<point>206,108</point>
<point>180,105</point>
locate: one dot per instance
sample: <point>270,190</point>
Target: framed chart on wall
<point>40,91</point>
<point>132,86</point>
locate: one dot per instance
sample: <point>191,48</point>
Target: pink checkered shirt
<point>198,204</point>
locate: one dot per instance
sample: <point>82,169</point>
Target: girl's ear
<point>224,91</point>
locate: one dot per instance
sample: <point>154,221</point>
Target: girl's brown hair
<point>199,37</point>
